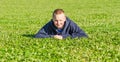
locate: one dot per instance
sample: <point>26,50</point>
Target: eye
<point>55,20</point>
<point>60,20</point>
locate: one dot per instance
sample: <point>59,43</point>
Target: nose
<point>58,22</point>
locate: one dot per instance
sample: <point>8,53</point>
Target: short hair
<point>58,11</point>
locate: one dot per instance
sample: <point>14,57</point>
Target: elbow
<point>36,36</point>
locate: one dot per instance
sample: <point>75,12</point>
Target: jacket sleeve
<point>43,33</point>
<point>76,31</point>
<point>65,35</point>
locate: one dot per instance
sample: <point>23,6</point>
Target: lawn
<point>20,20</point>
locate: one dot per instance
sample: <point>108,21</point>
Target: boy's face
<point>59,20</point>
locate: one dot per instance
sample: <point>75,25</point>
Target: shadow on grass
<point>29,35</point>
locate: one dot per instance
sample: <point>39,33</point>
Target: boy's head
<point>59,18</point>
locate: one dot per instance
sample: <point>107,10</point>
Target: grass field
<point>21,19</point>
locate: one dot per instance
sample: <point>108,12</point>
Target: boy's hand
<point>58,37</point>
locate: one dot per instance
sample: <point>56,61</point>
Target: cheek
<point>62,23</point>
<point>55,23</point>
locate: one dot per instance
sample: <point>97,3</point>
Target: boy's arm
<point>42,34</point>
<point>76,31</point>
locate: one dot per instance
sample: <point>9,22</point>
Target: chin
<point>59,27</point>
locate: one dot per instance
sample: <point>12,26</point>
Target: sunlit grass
<point>20,20</point>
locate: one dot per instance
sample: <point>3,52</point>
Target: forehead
<point>59,16</point>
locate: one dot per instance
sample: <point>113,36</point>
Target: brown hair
<point>58,11</point>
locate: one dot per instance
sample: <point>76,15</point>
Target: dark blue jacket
<point>70,29</point>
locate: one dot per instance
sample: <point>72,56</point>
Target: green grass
<point>21,19</point>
